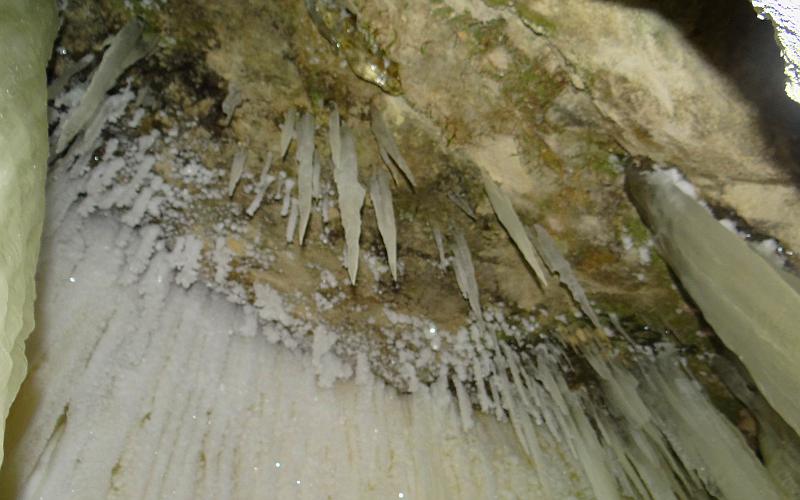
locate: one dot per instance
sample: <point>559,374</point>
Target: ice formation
<point>381,193</point>
<point>264,181</point>
<point>127,47</point>
<point>388,147</point>
<point>288,131</point>
<point>232,101</point>
<point>465,274</point>
<point>502,206</point>
<point>166,392</point>
<point>305,170</point>
<point>559,265</point>
<point>151,380</point>
<point>27,30</point>
<point>755,310</point>
<point>237,168</point>
<point>351,198</point>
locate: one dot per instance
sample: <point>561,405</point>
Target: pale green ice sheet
<point>27,29</point>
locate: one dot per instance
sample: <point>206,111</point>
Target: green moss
<point>443,12</point>
<point>636,229</point>
<point>530,86</point>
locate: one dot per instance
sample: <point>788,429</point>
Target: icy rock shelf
<point>146,383</point>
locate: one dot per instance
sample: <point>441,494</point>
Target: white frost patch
<point>221,259</point>
<point>270,305</point>
<point>185,257</point>
<point>674,176</point>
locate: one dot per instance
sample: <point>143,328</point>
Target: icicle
<point>316,189</point>
<point>232,101</point>
<point>439,239</point>
<point>351,198</point>
<point>502,206</point>
<point>559,265</point>
<point>388,146</point>
<point>291,222</point>
<point>381,194</point>
<point>237,168</point>
<point>288,131</point>
<point>753,308</point>
<point>465,274</point>
<point>127,47</point>
<point>55,88</point>
<point>288,186</point>
<point>462,204</point>
<point>464,405</point>
<point>335,136</point>
<point>263,183</point>
<point>305,170</point>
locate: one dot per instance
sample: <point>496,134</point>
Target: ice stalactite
<point>305,170</point>
<point>502,206</point>
<point>754,310</point>
<point>351,197</point>
<point>381,193</point>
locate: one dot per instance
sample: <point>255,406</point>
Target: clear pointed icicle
<point>237,168</point>
<point>126,47</point>
<point>508,217</point>
<point>351,198</point>
<point>559,265</point>
<point>465,274</point>
<point>388,146</point>
<point>381,193</point>
<point>439,240</point>
<point>263,183</point>
<point>288,131</point>
<point>305,170</point>
<point>316,188</point>
<point>232,101</point>
<point>291,222</point>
